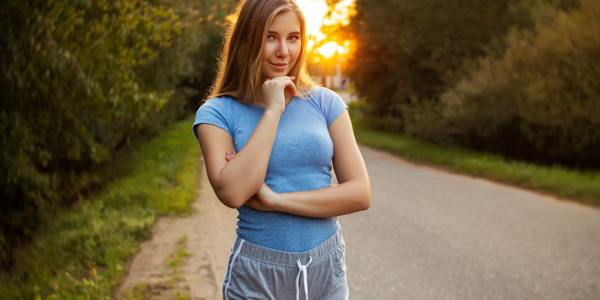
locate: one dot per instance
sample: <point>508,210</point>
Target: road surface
<point>429,234</point>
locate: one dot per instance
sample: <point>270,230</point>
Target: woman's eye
<point>294,38</point>
<point>270,37</point>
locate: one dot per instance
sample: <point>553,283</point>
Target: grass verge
<point>81,253</point>
<point>582,187</point>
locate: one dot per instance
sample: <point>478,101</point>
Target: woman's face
<point>282,45</point>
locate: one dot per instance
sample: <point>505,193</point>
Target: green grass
<point>178,256</point>
<point>582,187</point>
<point>82,253</point>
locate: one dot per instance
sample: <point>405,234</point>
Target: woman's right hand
<point>276,89</point>
<point>255,204</point>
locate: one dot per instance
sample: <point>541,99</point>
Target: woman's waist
<point>284,232</point>
<point>333,243</point>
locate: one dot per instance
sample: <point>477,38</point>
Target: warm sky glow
<point>315,12</point>
<point>317,17</point>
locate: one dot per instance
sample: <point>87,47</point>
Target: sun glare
<point>316,14</point>
<point>329,49</point>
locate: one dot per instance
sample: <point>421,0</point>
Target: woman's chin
<point>274,74</point>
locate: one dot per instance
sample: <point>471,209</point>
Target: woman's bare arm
<point>237,180</point>
<point>353,193</point>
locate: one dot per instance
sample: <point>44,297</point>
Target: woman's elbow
<point>233,204</point>
<point>361,204</point>
<point>364,202</point>
<point>359,195</point>
<point>230,200</point>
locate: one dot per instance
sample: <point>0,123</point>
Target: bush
<point>559,99</point>
<point>480,111</point>
<point>541,99</point>
<point>80,81</point>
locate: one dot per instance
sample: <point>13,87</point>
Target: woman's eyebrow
<point>277,33</point>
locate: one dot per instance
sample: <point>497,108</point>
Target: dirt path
<point>186,256</point>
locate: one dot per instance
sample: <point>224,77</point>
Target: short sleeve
<point>216,112</point>
<point>332,105</point>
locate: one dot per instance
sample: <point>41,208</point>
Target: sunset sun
<point>318,15</point>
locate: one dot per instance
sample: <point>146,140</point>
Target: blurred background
<point>83,81</point>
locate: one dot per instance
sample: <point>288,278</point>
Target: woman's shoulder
<point>320,93</point>
<point>319,96</point>
<point>222,103</point>
<point>323,97</point>
<point>328,102</point>
<point>220,100</point>
<point>217,111</point>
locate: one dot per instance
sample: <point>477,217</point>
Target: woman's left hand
<point>263,200</point>
<point>267,197</point>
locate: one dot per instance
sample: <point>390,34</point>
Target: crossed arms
<point>239,179</point>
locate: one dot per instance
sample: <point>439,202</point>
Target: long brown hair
<point>240,65</point>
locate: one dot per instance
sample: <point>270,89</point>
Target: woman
<point>269,138</point>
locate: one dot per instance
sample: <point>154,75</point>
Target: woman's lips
<point>279,67</point>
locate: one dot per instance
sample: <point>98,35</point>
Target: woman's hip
<point>256,272</point>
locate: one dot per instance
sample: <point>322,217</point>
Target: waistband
<point>250,250</point>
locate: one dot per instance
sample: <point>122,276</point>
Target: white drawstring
<point>302,271</point>
<point>239,248</point>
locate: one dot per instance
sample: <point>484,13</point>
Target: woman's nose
<point>282,50</point>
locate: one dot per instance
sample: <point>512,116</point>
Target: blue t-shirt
<point>301,160</point>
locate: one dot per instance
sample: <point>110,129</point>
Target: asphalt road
<point>430,234</point>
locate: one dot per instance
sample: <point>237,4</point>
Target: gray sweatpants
<point>255,272</point>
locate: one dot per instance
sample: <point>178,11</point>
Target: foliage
<point>513,77</point>
<point>412,49</point>
<point>82,252</point>
<point>544,91</point>
<point>80,81</point>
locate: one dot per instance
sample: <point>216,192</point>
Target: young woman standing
<point>269,138</point>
